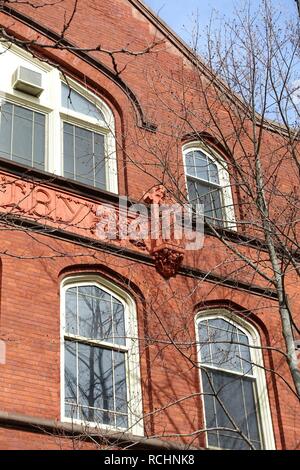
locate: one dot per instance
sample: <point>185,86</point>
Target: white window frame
<point>263,405</point>
<point>49,103</point>
<point>224,179</point>
<point>133,377</point>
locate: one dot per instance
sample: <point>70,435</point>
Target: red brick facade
<point>39,251</point>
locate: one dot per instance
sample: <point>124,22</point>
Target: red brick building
<point>128,341</point>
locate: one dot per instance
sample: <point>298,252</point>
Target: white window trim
<point>133,377</point>
<point>224,179</point>
<point>55,114</point>
<point>264,411</point>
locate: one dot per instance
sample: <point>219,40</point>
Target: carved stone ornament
<point>156,195</point>
<point>168,254</point>
<point>168,260</point>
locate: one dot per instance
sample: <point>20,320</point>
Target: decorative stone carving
<point>156,195</point>
<point>168,254</point>
<point>168,259</point>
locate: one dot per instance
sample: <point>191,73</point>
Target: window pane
<point>69,159</point>
<point>72,100</point>
<point>100,175</point>
<point>84,156</point>
<point>236,396</point>
<point>252,417</point>
<point>100,316</point>
<point>204,343</point>
<point>245,354</point>
<point>104,312</point>
<point>95,314</point>
<point>213,173</point>
<point>209,400</point>
<point>5,129</point>
<point>199,193</point>
<point>190,164</point>
<point>119,325</point>
<point>39,141</point>
<point>225,349</point>
<point>95,378</point>
<point>22,135</point>
<point>229,346</point>
<point>100,385</point>
<point>216,200</point>
<point>71,311</point>
<point>120,382</point>
<point>201,164</point>
<point>70,373</point>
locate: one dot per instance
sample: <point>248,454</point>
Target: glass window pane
<point>95,377</point>
<point>84,158</point>
<point>225,349</point>
<point>39,141</point>
<point>204,343</point>
<point>71,311</point>
<point>104,310</point>
<point>71,411</point>
<point>198,193</point>
<point>212,438</point>
<point>95,318</point>
<point>69,165</point>
<point>100,176</point>
<point>72,100</point>
<point>245,354</point>
<point>120,382</point>
<point>249,386</point>
<point>217,210</point>
<point>22,135</point>
<point>232,441</point>
<point>122,421</point>
<point>119,323</point>
<point>209,400</point>
<point>100,316</point>
<point>202,192</point>
<point>70,372</point>
<point>201,165</point>
<point>5,129</point>
<point>86,290</point>
<point>221,324</point>
<point>88,320</point>
<point>235,397</point>
<point>213,172</point>
<point>190,164</point>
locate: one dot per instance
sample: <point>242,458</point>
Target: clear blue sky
<point>179,14</point>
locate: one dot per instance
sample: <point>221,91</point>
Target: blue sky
<point>179,14</point>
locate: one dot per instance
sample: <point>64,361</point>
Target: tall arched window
<point>100,376</point>
<point>208,184</point>
<point>53,123</point>
<point>236,408</point>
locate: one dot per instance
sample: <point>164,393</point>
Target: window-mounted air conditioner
<point>28,81</point>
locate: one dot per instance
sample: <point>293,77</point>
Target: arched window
<point>52,123</point>
<point>100,376</point>
<point>208,184</point>
<point>236,408</point>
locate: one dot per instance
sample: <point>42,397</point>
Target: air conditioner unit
<point>28,81</point>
